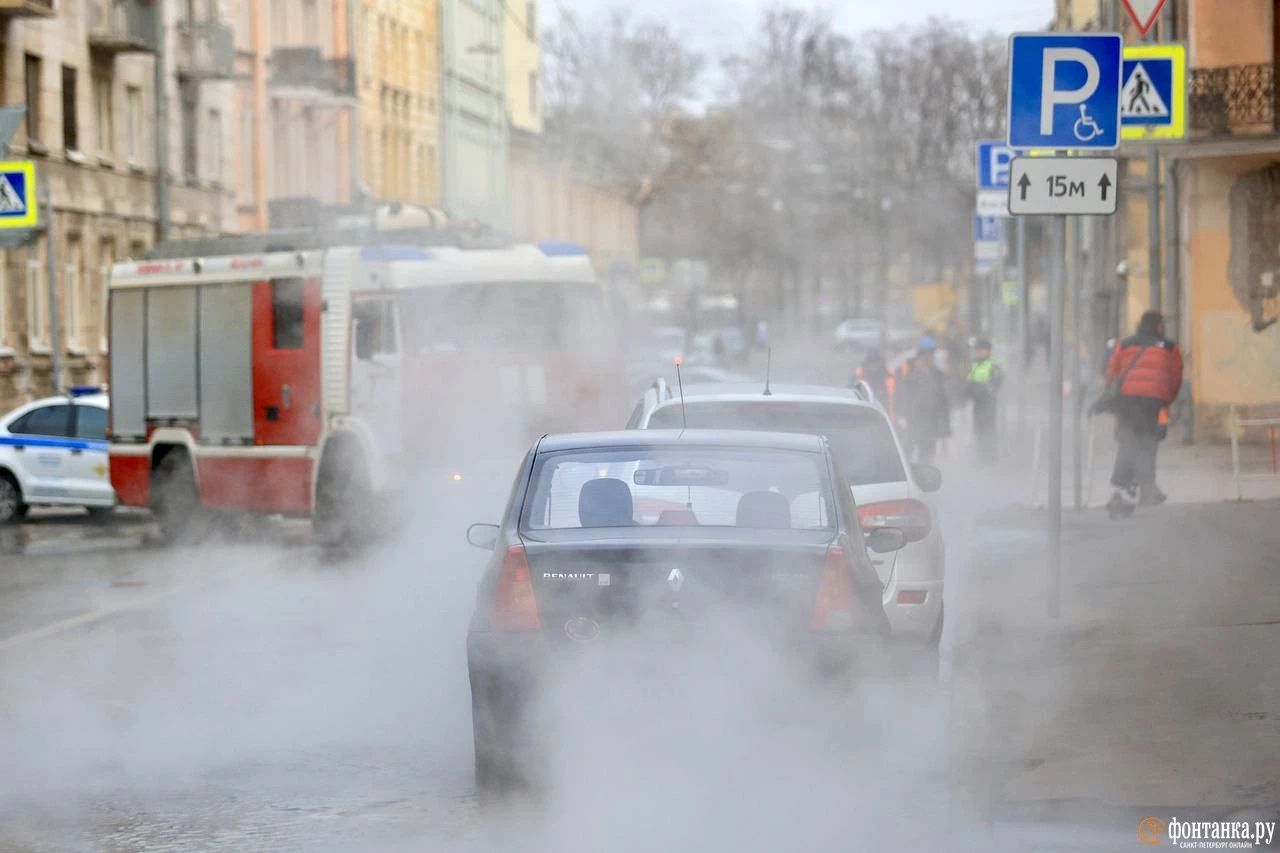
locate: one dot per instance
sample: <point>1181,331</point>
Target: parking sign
<point>1064,90</point>
<point>993,164</point>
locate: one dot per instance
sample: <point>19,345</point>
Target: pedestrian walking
<point>875,372</point>
<point>983,385</point>
<point>1144,376</point>
<point>921,403</point>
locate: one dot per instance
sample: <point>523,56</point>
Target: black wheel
<point>494,730</point>
<point>343,514</point>
<point>12,508</point>
<point>175,500</point>
<point>935,637</point>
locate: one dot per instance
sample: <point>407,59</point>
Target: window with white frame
<point>71,296</point>
<point>37,308</point>
<point>71,306</point>
<point>106,259</point>
<point>133,107</point>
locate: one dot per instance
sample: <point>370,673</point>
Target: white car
<point>860,334</point>
<point>53,452</point>
<point>888,490</point>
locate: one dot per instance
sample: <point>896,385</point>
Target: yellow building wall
<point>1232,363</point>
<point>1230,32</point>
<point>522,56</point>
<point>398,73</point>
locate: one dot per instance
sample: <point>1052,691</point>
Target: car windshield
<point>859,436</point>
<point>679,487</point>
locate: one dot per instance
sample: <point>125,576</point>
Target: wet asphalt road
<point>257,694</point>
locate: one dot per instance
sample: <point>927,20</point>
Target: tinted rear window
<point>859,436</point>
<point>679,487</point>
<point>91,423</point>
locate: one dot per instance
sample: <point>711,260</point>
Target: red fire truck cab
<point>293,382</point>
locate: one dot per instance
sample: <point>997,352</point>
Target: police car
<point>54,452</point>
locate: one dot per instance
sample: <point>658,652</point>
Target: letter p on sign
<point>1051,97</point>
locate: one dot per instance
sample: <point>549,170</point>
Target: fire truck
<point>320,374</point>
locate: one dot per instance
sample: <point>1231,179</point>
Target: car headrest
<point>768,510</point>
<point>605,503</point>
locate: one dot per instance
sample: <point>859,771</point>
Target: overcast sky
<point>718,27</point>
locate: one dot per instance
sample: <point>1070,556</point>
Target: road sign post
<point>1064,94</point>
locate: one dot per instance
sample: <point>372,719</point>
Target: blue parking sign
<point>993,162</point>
<point>1064,90</point>
<point>986,229</point>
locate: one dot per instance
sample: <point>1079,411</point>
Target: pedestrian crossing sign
<point>17,194</point>
<point>1153,95</point>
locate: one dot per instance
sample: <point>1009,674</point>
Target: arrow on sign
<point>1143,13</point>
<point>1023,184</point>
<point>1104,182</point>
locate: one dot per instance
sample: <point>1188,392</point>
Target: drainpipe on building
<point>51,274</point>
<point>162,122</point>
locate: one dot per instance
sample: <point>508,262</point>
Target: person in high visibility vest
<point>985,379</point>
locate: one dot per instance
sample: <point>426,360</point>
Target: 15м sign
<point>1062,185</point>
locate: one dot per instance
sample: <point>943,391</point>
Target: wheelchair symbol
<point>1085,127</point>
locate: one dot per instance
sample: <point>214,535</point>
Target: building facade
<point>295,105</point>
<point>85,73</point>
<point>398,67</point>
<point>1220,256</point>
<point>474,128</point>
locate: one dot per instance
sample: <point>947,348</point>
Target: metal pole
<point>1057,310</point>
<point>51,273</point>
<point>1173,289</point>
<point>1024,327</point>
<point>1154,278</point>
<point>1077,397</point>
<point>162,122</point>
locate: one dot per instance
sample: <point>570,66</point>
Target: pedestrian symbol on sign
<point>10,202</point>
<point>1141,97</point>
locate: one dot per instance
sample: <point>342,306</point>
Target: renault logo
<point>675,580</point>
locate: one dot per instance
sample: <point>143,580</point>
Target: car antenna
<point>684,416</point>
<point>768,369</point>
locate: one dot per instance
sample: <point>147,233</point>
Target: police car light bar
<point>85,390</point>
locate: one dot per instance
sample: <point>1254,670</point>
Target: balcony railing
<point>305,70</point>
<point>1234,99</point>
<point>206,51</point>
<point>27,8</point>
<point>121,26</point>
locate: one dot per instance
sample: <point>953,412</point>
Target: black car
<point>607,535</point>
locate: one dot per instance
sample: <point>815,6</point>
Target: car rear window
<point>679,487</point>
<point>859,436</point>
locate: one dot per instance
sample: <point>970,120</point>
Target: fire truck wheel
<point>175,502</point>
<point>343,497</point>
<point>12,509</point>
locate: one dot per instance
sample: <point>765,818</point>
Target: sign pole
<point>1077,443</point>
<point>51,273</point>
<point>1057,306</point>
<point>1024,326</point>
<point>1155,278</point>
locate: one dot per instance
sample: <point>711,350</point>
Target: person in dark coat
<point>920,403</point>
<point>875,372</point>
<point>1147,368</point>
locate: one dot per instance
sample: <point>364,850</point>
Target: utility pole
<point>160,22</point>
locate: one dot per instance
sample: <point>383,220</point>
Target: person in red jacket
<point>1148,370</point>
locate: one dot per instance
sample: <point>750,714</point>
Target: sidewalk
<point>1159,686</point>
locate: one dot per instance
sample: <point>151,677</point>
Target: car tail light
<point>514,606</point>
<point>910,516</point>
<point>833,611</point>
<point>912,596</point>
